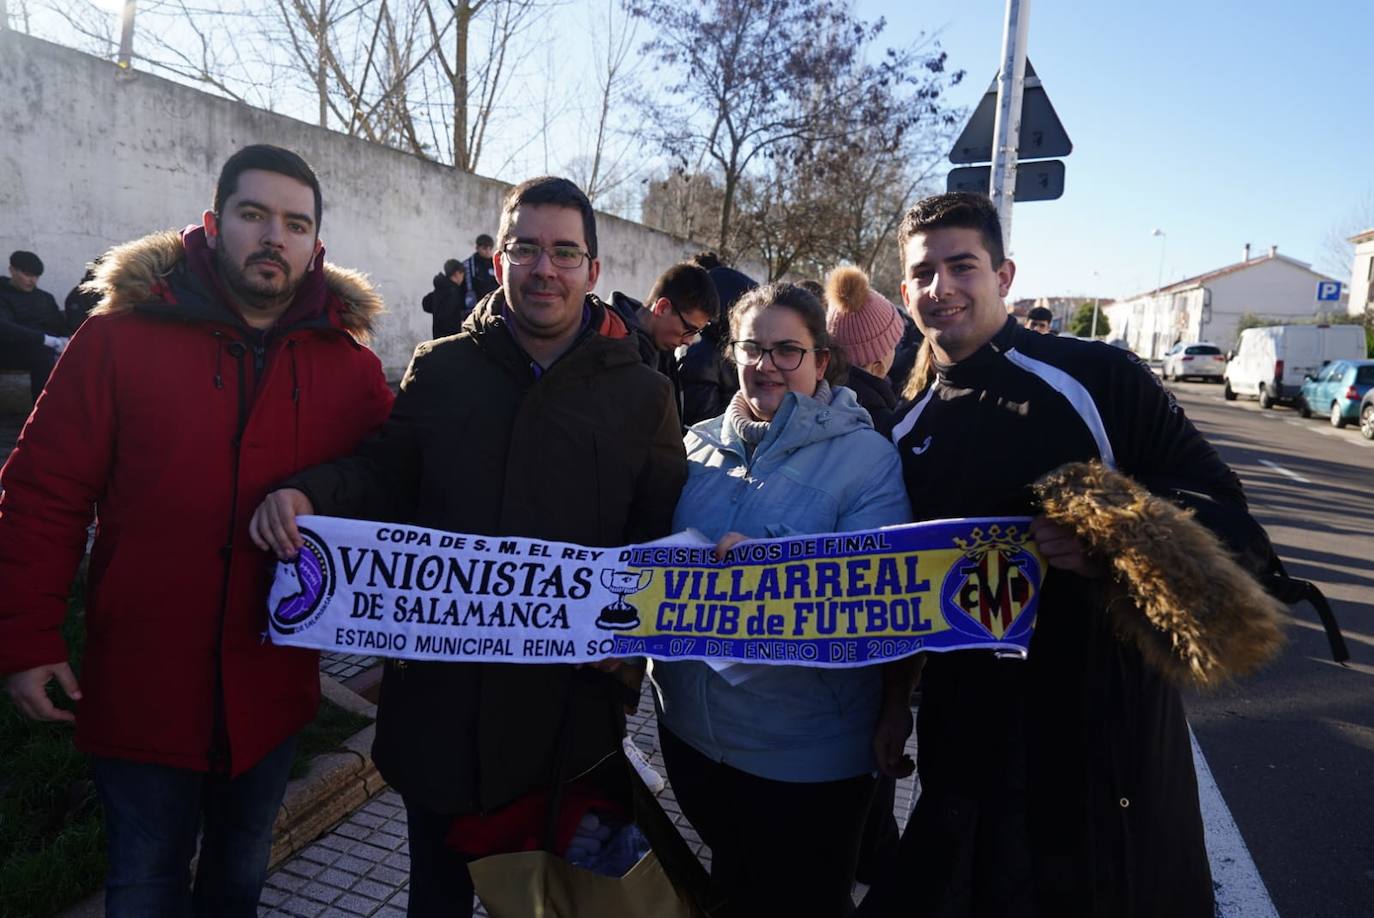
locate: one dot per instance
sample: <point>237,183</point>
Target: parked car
<point>1337,391</point>
<point>1270,362</point>
<point>1201,360</point>
<point>1367,415</point>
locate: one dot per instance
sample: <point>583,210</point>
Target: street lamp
<point>1159,286</point>
<point>1159,276</point>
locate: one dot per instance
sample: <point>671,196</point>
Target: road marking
<point>1283,471</point>
<point>1240,890</point>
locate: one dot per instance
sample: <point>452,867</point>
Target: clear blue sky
<point>1220,122</point>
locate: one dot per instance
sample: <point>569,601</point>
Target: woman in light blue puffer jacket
<point>774,765</point>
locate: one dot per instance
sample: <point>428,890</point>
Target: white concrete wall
<point>90,157</point>
<point>1362,278</point>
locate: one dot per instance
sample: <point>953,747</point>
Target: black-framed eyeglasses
<point>785,356</point>
<point>688,329</point>
<point>566,257</point>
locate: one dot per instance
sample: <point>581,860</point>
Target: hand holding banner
<point>834,600</point>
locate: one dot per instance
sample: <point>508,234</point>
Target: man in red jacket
<point>220,360</point>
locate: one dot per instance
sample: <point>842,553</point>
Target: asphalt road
<point>1292,749</point>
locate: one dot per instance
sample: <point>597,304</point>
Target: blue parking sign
<point>1328,291</point>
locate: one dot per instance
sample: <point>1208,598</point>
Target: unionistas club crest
<point>303,587</point>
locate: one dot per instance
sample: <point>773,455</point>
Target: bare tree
<point>1337,252</point>
<point>761,82</point>
<point>475,85</point>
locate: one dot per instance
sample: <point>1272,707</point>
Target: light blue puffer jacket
<point>821,468</point>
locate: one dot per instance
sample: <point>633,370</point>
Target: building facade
<point>1208,307</point>
<point>1362,274</point>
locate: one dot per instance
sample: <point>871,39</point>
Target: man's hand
<point>56,342</point>
<point>28,691</point>
<point>1062,548</point>
<point>889,740</point>
<point>273,527</point>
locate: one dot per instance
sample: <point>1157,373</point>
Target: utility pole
<point>1006,131</point>
<point>126,35</point>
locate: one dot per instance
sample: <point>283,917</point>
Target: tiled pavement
<point>344,666</point>
<point>360,867</point>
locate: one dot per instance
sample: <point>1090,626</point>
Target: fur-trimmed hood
<point>1196,615</point>
<point>128,276</point>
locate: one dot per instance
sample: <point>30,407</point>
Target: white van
<point>1271,362</point>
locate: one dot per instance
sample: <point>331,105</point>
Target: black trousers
<point>440,885</point>
<point>777,847</point>
<point>37,359</point>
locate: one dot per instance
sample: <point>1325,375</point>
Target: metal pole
<point>1006,127</point>
<point>1094,331</point>
<point>126,35</point>
<point>4,16</point>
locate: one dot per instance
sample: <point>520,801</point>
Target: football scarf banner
<point>843,599</point>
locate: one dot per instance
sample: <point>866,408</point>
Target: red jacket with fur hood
<point>172,419</point>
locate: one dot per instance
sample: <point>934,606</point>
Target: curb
<point>336,784</point>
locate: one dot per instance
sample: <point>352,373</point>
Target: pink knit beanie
<point>861,320</point>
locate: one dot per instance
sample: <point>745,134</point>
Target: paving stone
<point>272,896</point>
<point>387,911</point>
<point>364,818</point>
<point>288,882</point>
<point>341,879</point>
<point>373,889</point>
<point>320,892</point>
<point>353,864</point>
<point>302,907</point>
<point>383,809</point>
<point>337,842</point>
<point>320,854</point>
<point>398,860</point>
<point>356,904</point>
<point>370,851</point>
<point>384,874</point>
<point>355,832</point>
<point>401,899</point>
<point>303,868</point>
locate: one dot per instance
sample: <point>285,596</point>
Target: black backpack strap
<point>1292,590</point>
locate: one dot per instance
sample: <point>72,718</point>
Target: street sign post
<point>1035,181</point>
<point>1042,134</point>
<point>1015,106</point>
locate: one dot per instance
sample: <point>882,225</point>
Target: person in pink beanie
<point>866,327</point>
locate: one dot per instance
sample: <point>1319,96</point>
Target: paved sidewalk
<point>361,866</point>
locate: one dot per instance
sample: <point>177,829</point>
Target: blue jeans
<point>152,816</point>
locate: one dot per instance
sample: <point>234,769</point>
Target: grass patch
<point>52,843</point>
<point>327,732</point>
<point>52,839</point>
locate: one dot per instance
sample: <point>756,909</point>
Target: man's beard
<point>256,292</point>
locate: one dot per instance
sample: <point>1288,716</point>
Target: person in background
<point>32,330</point>
<point>707,381</point>
<point>1040,320</point>
<point>866,328</point>
<point>773,765</point>
<point>680,306</point>
<point>447,301</point>
<point>480,272</point>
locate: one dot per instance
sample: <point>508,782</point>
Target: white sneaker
<point>651,778</point>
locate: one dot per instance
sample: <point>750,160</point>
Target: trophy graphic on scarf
<point>620,615</point>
